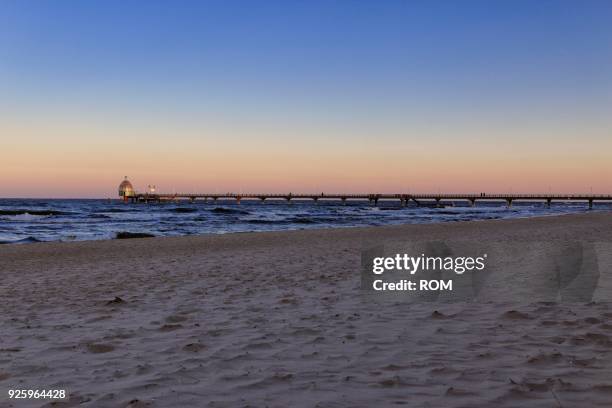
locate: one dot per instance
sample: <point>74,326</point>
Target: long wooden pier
<point>404,199</point>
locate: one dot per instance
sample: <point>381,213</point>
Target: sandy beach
<point>279,320</point>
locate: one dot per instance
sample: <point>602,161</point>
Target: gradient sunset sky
<point>279,96</point>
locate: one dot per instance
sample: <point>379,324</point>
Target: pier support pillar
<point>548,202</point>
<point>590,204</point>
<point>316,200</point>
<point>343,200</point>
<point>472,202</point>
<point>509,202</point>
<point>438,202</point>
<point>262,200</point>
<point>238,200</point>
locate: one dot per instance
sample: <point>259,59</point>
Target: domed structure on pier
<point>126,189</point>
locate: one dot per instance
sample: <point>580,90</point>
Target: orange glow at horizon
<point>51,160</point>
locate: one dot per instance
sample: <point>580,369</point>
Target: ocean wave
<point>291,220</point>
<point>320,219</point>
<point>33,212</point>
<point>98,216</point>
<point>183,210</point>
<point>301,220</point>
<point>28,240</point>
<point>264,221</point>
<point>116,210</point>
<point>223,210</point>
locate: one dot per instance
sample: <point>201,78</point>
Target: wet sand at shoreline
<point>278,319</point>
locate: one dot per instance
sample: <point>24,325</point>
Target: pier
<point>431,200</point>
<point>128,194</point>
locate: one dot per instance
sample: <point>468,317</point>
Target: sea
<point>33,220</point>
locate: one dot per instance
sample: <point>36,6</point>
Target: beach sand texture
<point>278,320</point>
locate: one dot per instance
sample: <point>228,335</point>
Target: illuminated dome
<point>125,188</point>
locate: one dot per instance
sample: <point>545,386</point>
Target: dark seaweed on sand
<point>127,235</point>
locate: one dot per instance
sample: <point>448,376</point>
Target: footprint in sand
<point>170,327</point>
<point>194,347</point>
<point>136,403</point>
<point>545,358</point>
<point>592,338</point>
<point>515,315</point>
<point>116,301</point>
<point>175,319</point>
<point>99,348</point>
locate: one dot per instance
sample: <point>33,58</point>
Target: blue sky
<point>369,54</point>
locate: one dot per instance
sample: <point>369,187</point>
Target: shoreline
<point>81,220</point>
<point>348,227</point>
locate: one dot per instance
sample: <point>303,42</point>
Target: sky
<point>305,96</point>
